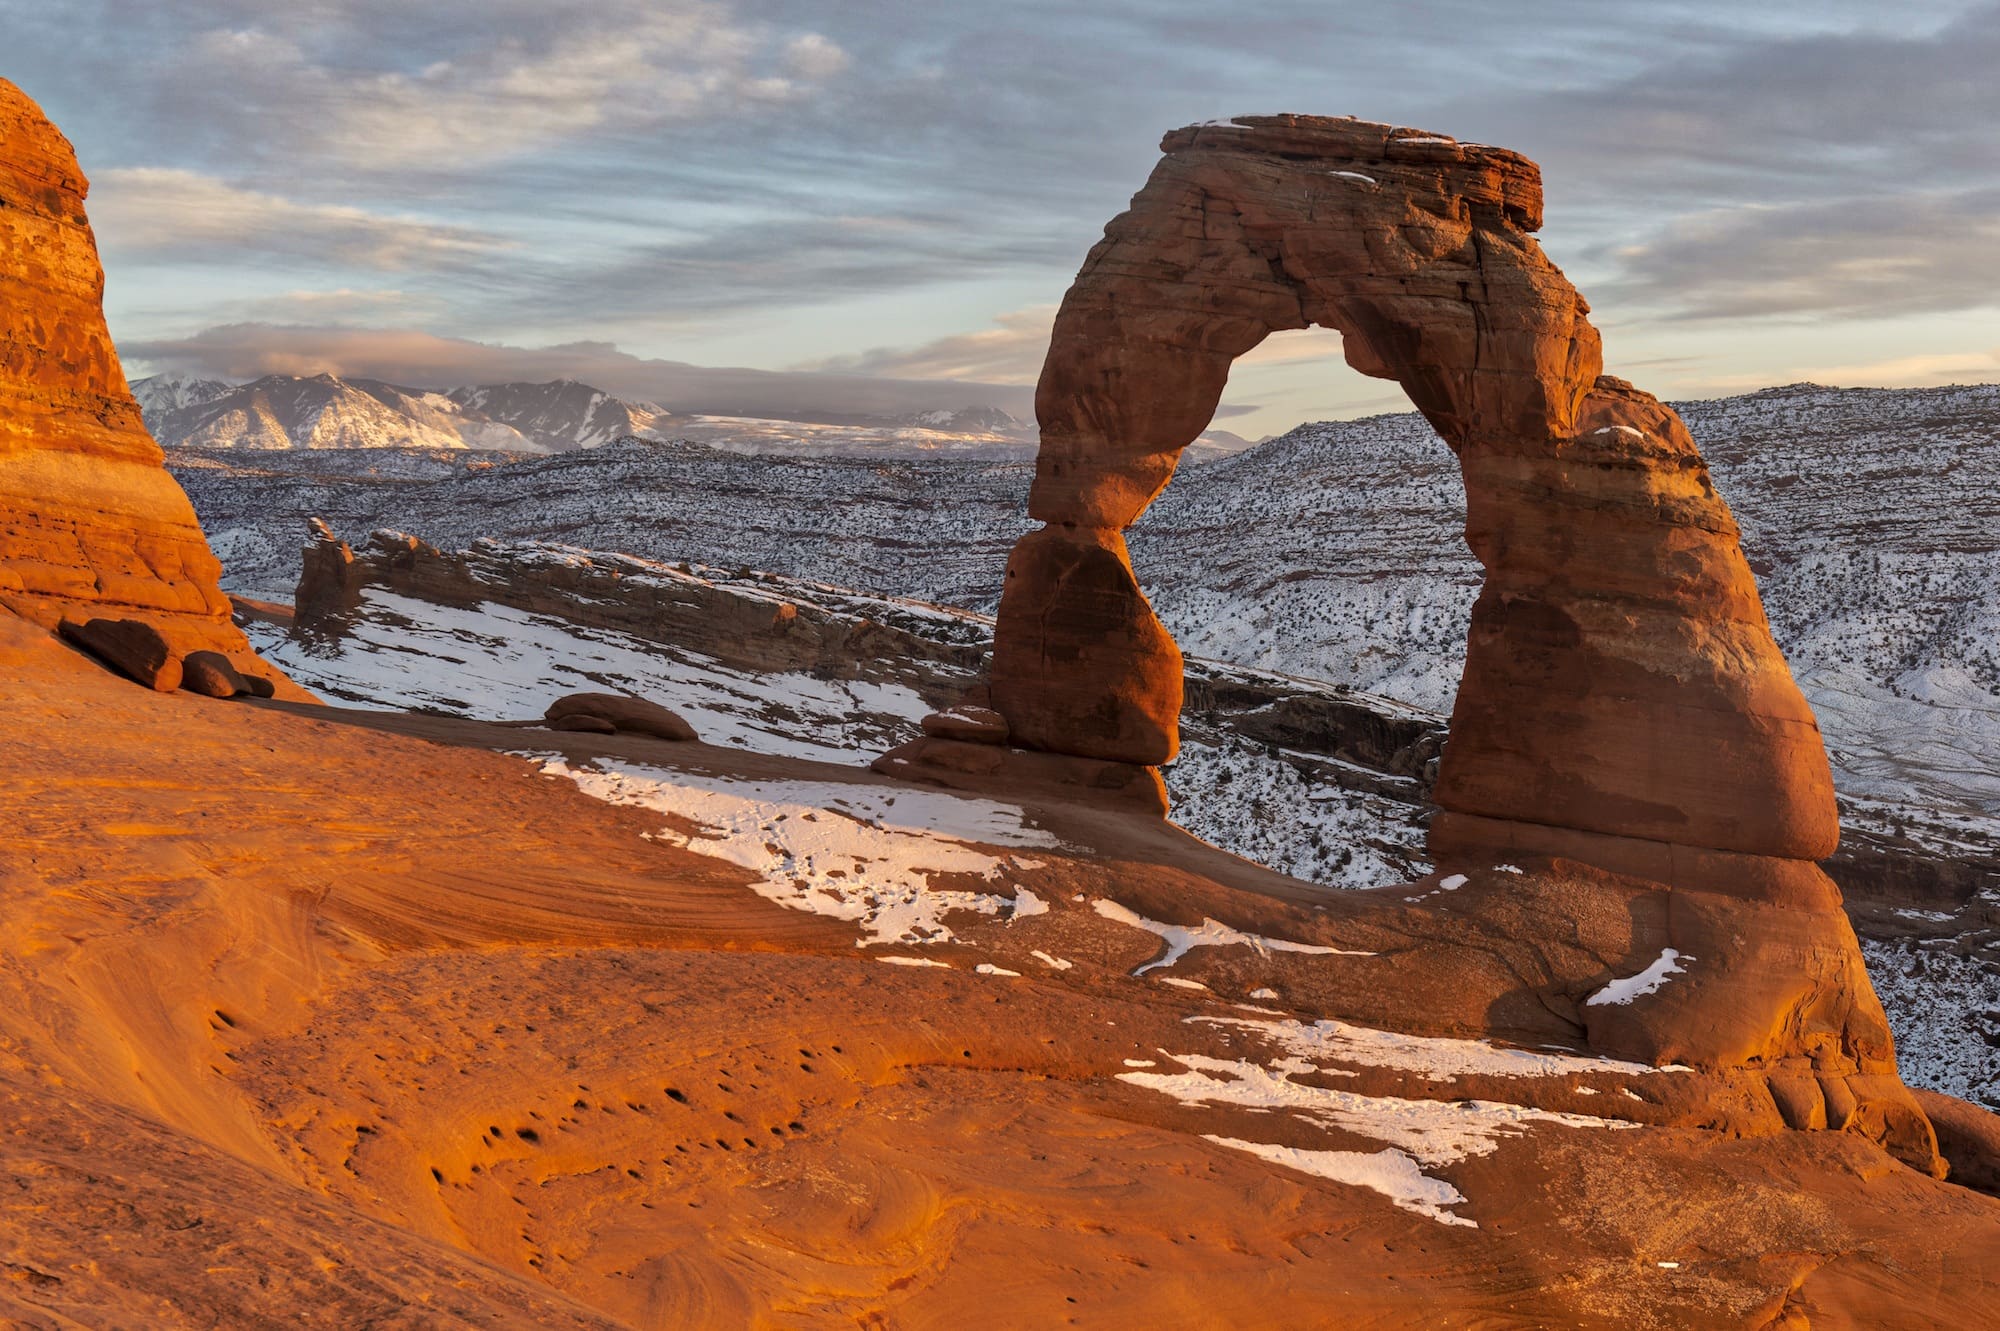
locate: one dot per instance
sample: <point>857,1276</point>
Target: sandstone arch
<point>1623,700</point>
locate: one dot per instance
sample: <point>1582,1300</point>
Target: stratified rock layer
<point>1621,681</point>
<point>90,522</point>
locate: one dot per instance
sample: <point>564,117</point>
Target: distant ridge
<point>325,411</point>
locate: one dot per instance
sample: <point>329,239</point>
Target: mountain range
<point>327,411</point>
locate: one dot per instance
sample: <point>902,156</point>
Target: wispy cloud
<point>175,212</point>
<point>425,360</point>
<point>1918,371</point>
<point>504,89</point>
<point>1860,257</point>
<point>1010,352</point>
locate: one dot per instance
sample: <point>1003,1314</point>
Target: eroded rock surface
<point>91,524</point>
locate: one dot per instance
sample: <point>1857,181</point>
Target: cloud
<point>1011,352</point>
<point>1868,257</point>
<point>345,305</point>
<point>336,91</point>
<point>1918,371</point>
<point>173,212</point>
<point>657,171</point>
<point>424,360</point>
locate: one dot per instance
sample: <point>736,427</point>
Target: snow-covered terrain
<point>852,852</point>
<point>561,415</point>
<point>497,663</point>
<point>1334,553</point>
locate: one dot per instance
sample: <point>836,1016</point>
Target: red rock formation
<point>1621,684</point>
<point>91,524</point>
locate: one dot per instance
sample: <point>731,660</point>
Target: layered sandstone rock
<point>90,522</point>
<point>1621,682</point>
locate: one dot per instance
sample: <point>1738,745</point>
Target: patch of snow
<point>1263,993</point>
<point>495,662</point>
<point>1429,1132</point>
<point>1508,868</point>
<point>1026,903</point>
<point>1140,1063</point>
<point>1437,1058</point>
<point>1179,983</point>
<point>1209,933</point>
<point>915,961</point>
<point>1452,883</point>
<point>852,852</point>
<point>1647,981</point>
<point>1053,963</point>
<point>1391,1172</point>
<point>1353,175</point>
<point>988,968</point>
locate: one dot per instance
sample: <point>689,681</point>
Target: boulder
<point>975,725</point>
<point>583,723</point>
<point>211,674</point>
<point>1968,1137</point>
<point>256,685</point>
<point>132,647</point>
<point>623,713</point>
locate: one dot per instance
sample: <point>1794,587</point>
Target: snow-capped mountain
<point>971,420</point>
<point>561,415</point>
<point>165,393</point>
<point>328,412</point>
<point>323,411</point>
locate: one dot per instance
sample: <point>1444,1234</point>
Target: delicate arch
<point>1620,678</point>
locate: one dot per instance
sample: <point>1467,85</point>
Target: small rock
<point>132,647</point>
<point>211,674</point>
<point>633,716</point>
<point>978,725</point>
<point>257,686</point>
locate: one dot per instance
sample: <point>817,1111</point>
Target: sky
<point>773,207</point>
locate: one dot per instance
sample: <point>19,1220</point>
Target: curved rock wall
<point>1621,682</point>
<point>90,521</point>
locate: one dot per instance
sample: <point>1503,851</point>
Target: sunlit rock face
<point>1621,680</point>
<point>91,524</point>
